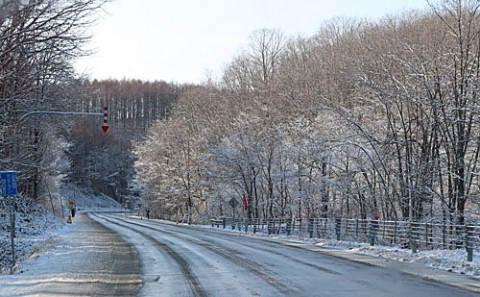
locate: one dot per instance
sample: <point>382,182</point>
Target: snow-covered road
<point>148,258</point>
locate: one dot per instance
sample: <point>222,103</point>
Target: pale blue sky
<point>183,40</point>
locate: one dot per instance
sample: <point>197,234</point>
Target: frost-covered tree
<point>361,119</point>
<point>38,41</point>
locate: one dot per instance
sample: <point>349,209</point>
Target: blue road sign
<point>9,182</point>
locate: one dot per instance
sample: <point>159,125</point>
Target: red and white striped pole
<point>105,119</point>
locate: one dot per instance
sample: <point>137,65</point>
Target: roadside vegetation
<point>363,119</point>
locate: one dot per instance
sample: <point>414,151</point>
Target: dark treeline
<point>133,104</point>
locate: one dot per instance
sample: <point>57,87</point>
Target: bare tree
<point>38,40</point>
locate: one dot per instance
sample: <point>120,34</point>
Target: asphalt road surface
<point>147,258</point>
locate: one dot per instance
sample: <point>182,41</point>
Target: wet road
<point>107,255</point>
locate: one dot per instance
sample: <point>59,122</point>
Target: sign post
<point>233,203</point>
<point>9,182</point>
<point>9,188</point>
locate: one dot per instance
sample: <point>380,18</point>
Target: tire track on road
<point>232,256</point>
<point>345,281</point>
<point>185,268</point>
<point>256,247</point>
<point>318,267</point>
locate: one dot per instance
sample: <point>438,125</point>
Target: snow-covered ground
<point>450,260</point>
<point>34,229</point>
<point>88,202</point>
<point>37,229</point>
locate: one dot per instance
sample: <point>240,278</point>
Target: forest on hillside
<point>362,119</point>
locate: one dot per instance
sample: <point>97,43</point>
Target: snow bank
<point>33,229</point>
<point>450,260</point>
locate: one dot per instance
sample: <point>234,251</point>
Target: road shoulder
<point>87,260</point>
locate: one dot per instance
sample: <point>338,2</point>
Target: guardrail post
<point>426,234</point>
<point>395,231</point>
<point>311,222</point>
<point>289,227</point>
<point>338,227</point>
<point>413,238</point>
<point>300,227</point>
<point>444,235</point>
<point>469,243</point>
<point>356,228</point>
<point>373,231</point>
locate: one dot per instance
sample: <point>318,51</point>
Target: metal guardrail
<point>412,235</point>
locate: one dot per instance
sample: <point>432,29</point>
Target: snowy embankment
<point>89,202</point>
<point>449,260</point>
<point>37,229</point>
<point>33,229</point>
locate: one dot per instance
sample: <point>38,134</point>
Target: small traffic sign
<point>233,202</point>
<point>9,182</point>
